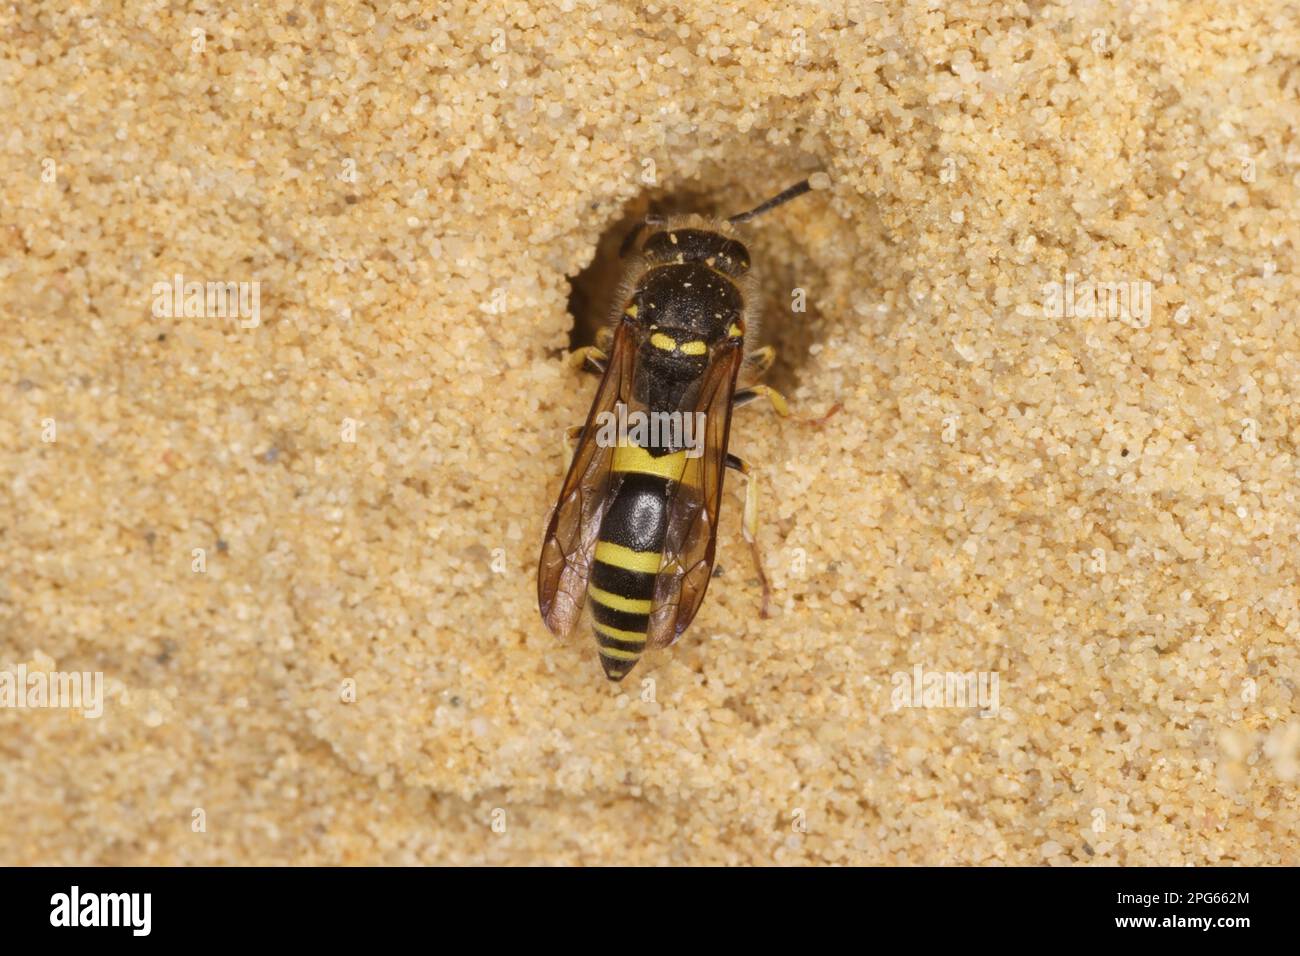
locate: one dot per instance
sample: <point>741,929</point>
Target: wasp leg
<point>759,361</point>
<point>819,422</point>
<point>571,437</point>
<point>589,357</point>
<point>744,396</point>
<point>635,233</point>
<point>630,240</point>
<point>605,338</point>
<point>749,527</point>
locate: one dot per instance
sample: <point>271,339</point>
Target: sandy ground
<point>299,541</point>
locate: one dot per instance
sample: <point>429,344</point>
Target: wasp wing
<point>691,535</point>
<point>574,524</point>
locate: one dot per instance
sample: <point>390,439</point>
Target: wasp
<point>635,526</point>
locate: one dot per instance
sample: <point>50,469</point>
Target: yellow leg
<point>605,338</point>
<point>571,436</point>
<point>589,356</point>
<point>759,361</point>
<point>746,395</point>
<point>749,527</point>
<point>779,405</point>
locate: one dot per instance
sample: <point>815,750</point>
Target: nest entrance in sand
<point>592,289</point>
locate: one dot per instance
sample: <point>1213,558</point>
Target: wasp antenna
<point>651,221</point>
<point>795,191</point>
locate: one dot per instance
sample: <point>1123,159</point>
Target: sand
<point>299,541</point>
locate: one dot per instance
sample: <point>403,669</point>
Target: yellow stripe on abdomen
<point>647,562</point>
<point>632,458</point>
<point>618,634</point>
<point>618,602</point>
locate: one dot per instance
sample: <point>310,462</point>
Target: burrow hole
<point>778,255</point>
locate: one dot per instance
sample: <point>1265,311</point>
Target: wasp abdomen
<point>628,554</point>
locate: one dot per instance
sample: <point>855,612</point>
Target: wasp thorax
<point>687,305</point>
<point>715,250</point>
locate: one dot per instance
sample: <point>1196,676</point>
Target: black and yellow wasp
<point>636,523</point>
